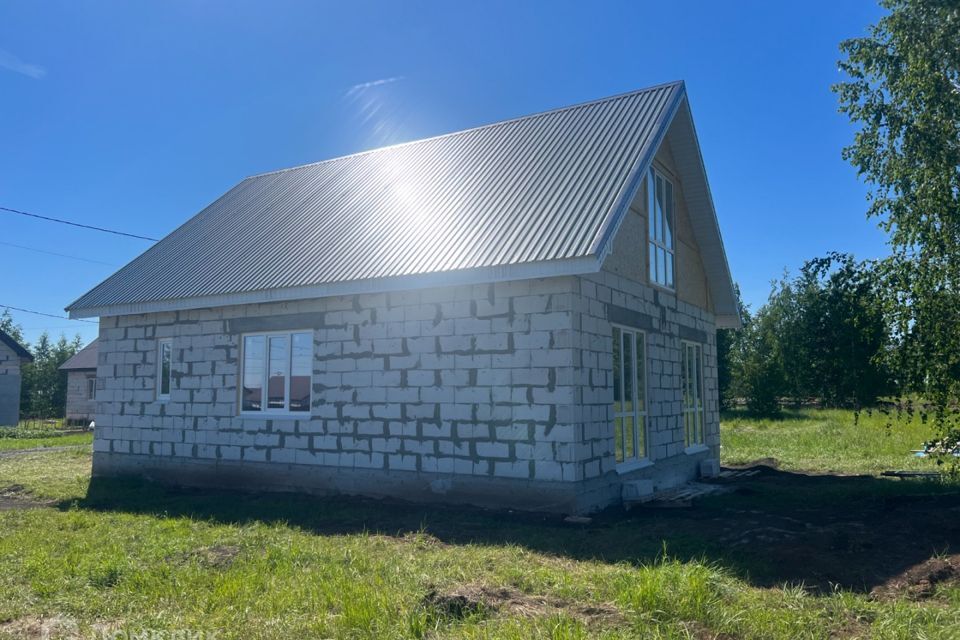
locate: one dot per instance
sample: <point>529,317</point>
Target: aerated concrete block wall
<point>79,405</point>
<point>496,395</point>
<point>606,298</point>
<point>9,386</point>
<point>467,394</point>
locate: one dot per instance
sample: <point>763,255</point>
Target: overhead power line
<point>77,224</point>
<point>54,253</point>
<point>48,315</point>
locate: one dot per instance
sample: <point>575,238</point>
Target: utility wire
<point>49,315</point>
<point>77,224</point>
<point>54,253</point>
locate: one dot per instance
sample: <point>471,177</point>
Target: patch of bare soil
<point>921,581</point>
<point>470,599</point>
<point>17,497</point>
<point>41,628</point>
<point>218,556</point>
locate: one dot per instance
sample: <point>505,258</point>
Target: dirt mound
<point>921,581</point>
<point>423,540</point>
<point>479,599</point>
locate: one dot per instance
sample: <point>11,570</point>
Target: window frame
<point>265,410</point>
<point>654,243</point>
<point>91,388</point>
<point>161,343</point>
<point>694,434</point>
<point>639,415</point>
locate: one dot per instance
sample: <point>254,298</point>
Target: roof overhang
<point>480,275</point>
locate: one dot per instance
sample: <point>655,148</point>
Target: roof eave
<point>479,275</point>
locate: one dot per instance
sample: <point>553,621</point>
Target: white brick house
<point>12,356</point>
<point>519,315</point>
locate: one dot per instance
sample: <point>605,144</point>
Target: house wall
<point>622,293</point>
<point>628,256</point>
<point>9,386</point>
<point>607,298</point>
<point>79,405</point>
<point>467,394</point>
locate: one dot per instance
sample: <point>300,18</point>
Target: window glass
<point>164,355</point>
<point>253,367</point>
<point>693,406</point>
<point>652,259</point>
<point>301,366</point>
<point>617,371</point>
<point>661,230</point>
<point>91,388</point>
<point>628,380</point>
<point>277,372</point>
<point>668,215</point>
<point>277,381</point>
<point>629,394</point>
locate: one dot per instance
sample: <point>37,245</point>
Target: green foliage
<point>903,93</point>
<point>730,350</point>
<point>841,333</point>
<point>44,389</point>
<point>11,328</point>
<point>822,335</point>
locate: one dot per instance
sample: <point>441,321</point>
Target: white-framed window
<point>629,394</point>
<point>692,385</point>
<point>661,233</point>
<point>91,388</point>
<point>276,375</point>
<point>164,369</point>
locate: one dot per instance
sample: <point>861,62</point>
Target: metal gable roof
<point>539,190</point>
<point>86,358</point>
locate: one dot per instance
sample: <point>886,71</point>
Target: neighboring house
<point>82,384</point>
<point>518,315</point>
<point>12,356</point>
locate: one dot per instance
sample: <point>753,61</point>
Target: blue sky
<point>137,115</point>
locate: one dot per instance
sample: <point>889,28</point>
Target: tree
<point>730,349</point>
<point>844,330</point>
<point>11,328</point>
<point>762,377</point>
<point>44,389</point>
<point>903,94</point>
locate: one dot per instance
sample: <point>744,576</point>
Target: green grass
<point>73,439</point>
<point>827,441</point>
<point>131,556</point>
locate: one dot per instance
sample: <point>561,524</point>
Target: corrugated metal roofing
<point>539,188</point>
<point>86,358</point>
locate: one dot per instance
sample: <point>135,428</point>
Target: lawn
<point>830,441</point>
<point>786,555</point>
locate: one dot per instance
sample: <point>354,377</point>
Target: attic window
<point>661,223</point>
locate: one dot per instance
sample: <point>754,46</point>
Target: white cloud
<point>357,88</point>
<point>11,62</point>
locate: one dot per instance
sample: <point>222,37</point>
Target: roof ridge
<point>450,134</point>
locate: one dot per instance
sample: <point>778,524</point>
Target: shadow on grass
<point>776,527</point>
